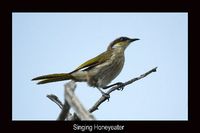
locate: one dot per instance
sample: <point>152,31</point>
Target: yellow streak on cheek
<point>119,44</point>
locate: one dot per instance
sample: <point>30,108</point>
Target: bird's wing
<point>94,61</point>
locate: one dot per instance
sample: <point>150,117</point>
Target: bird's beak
<point>135,39</point>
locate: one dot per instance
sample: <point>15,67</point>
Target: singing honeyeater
<point>98,71</point>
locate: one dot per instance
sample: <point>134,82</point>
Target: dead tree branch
<point>74,102</point>
<point>122,85</point>
<point>71,101</point>
<point>64,112</point>
<point>64,107</point>
<point>56,100</point>
<point>80,112</point>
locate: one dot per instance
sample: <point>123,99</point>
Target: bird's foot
<point>120,84</point>
<point>106,95</point>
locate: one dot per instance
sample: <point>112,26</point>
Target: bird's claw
<point>106,95</point>
<point>121,85</point>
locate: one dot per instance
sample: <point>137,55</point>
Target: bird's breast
<point>103,74</point>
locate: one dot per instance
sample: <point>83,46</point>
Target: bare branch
<point>74,117</point>
<point>55,99</point>
<point>122,85</point>
<point>64,112</point>
<point>74,102</point>
<point>64,108</point>
<point>80,112</point>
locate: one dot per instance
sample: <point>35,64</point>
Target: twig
<point>55,99</point>
<point>64,112</point>
<point>104,98</point>
<point>74,117</point>
<point>74,102</point>
<point>64,108</point>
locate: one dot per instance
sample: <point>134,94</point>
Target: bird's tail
<point>53,78</point>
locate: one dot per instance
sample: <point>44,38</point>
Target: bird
<point>99,71</point>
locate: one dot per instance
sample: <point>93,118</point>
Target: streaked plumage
<point>98,71</point>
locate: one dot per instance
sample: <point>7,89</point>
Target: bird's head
<point>121,42</point>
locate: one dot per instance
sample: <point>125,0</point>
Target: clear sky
<point>45,43</point>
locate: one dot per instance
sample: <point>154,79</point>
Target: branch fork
<point>71,100</point>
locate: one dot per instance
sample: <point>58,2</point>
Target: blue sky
<point>45,43</point>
